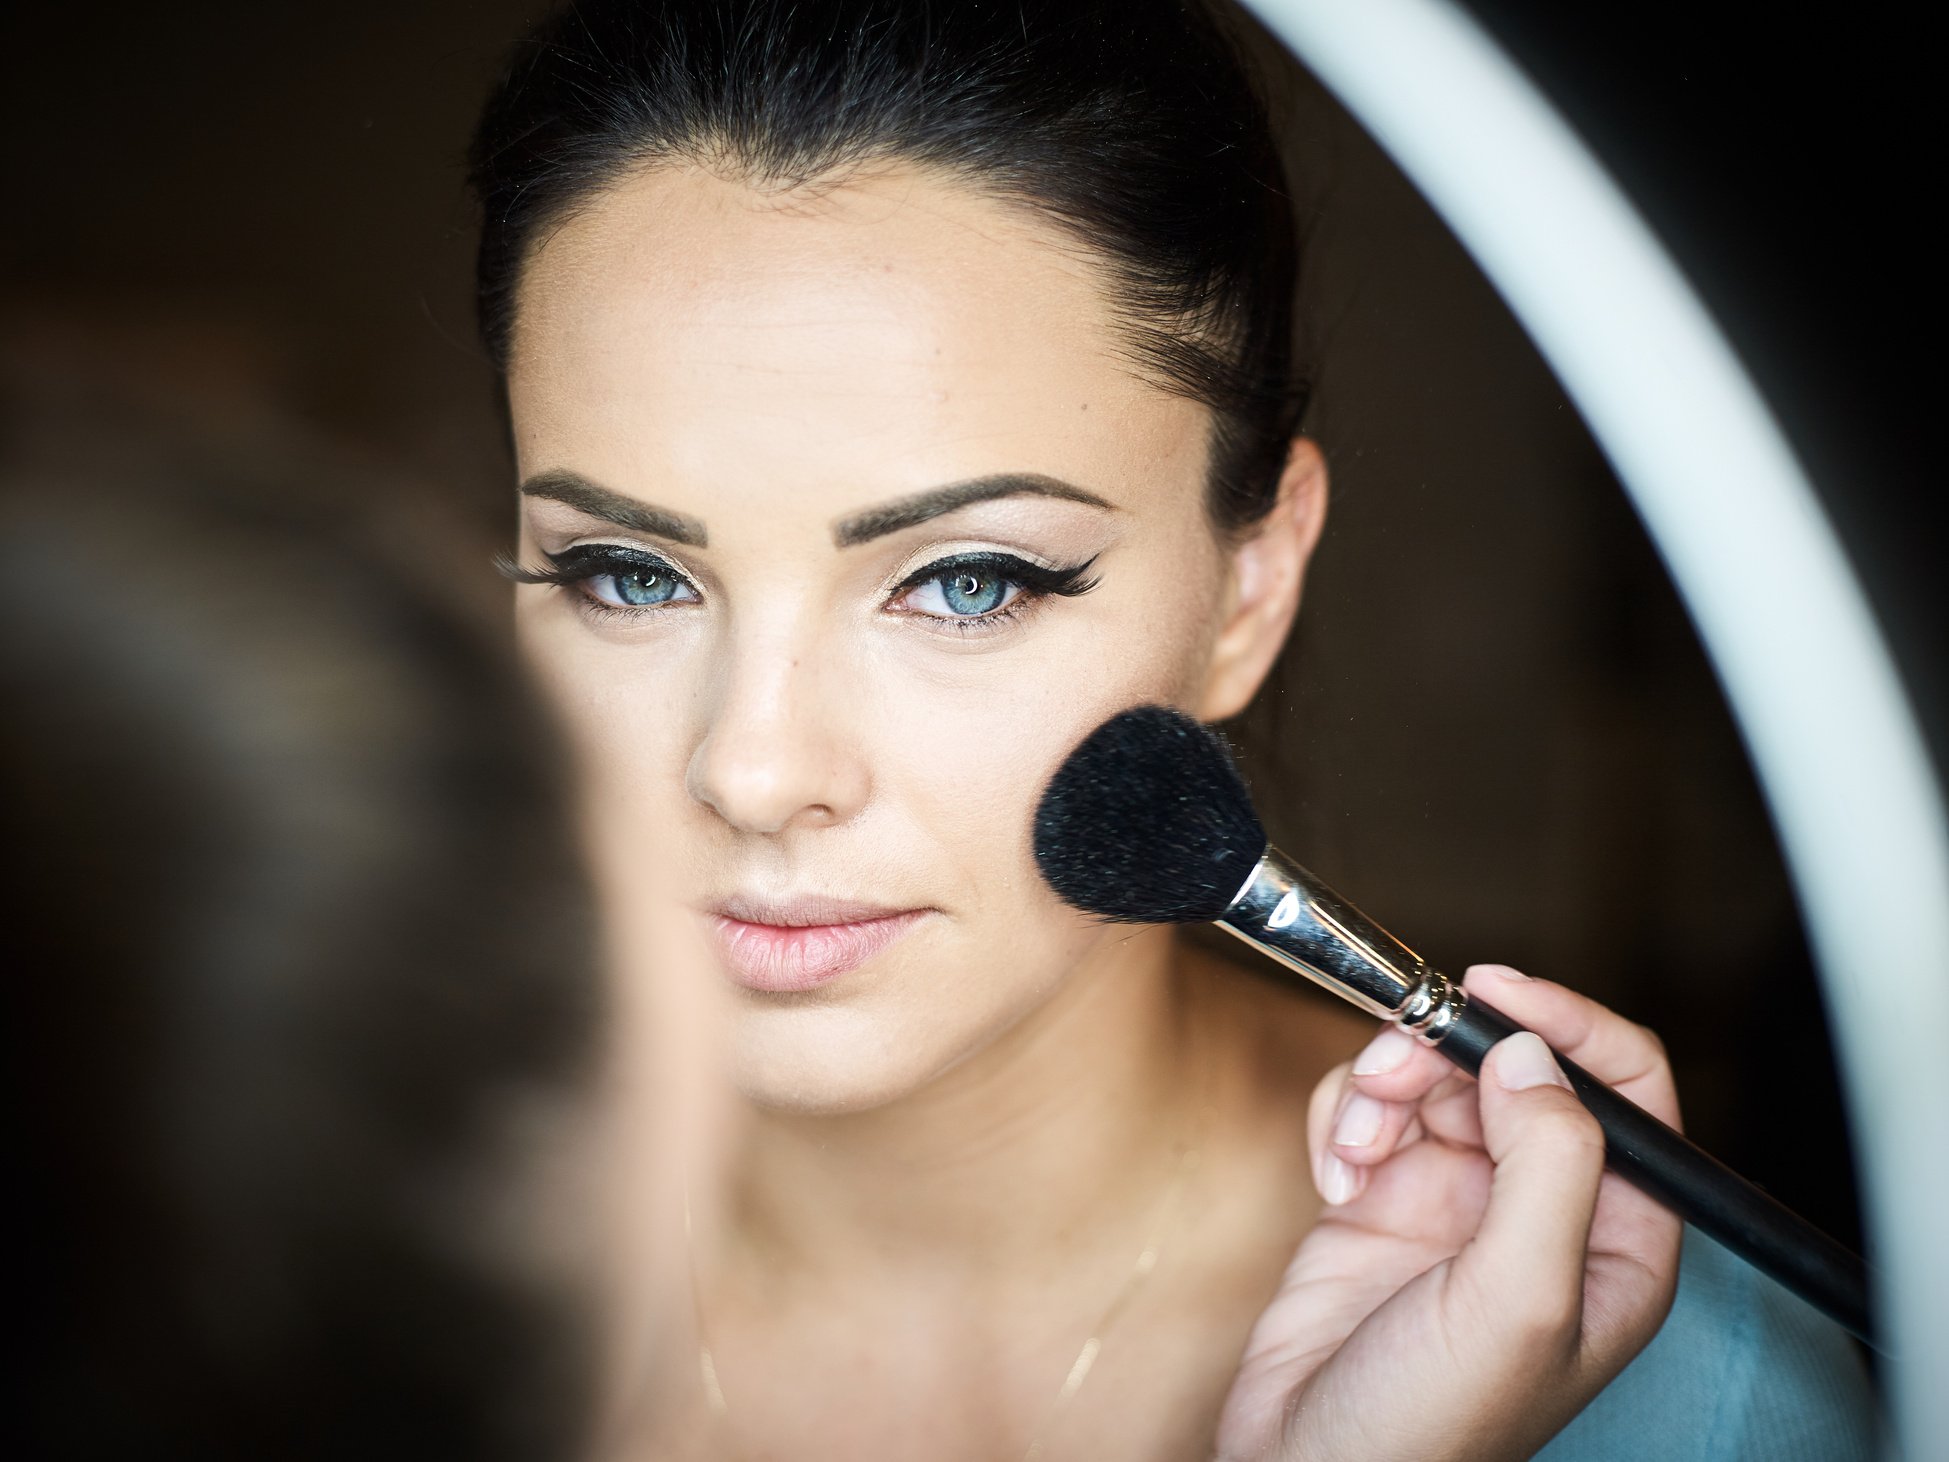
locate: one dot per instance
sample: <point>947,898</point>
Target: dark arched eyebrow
<point>560,485</point>
<point>907,511</point>
<point>572,489</point>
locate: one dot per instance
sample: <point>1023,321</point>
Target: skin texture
<point>950,1155</point>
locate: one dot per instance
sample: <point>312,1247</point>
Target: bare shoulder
<point>1289,1035</point>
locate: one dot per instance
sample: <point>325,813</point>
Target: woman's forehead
<point>896,331</point>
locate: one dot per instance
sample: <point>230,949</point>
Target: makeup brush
<point>1149,822</point>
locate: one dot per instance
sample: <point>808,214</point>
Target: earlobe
<point>1268,569</point>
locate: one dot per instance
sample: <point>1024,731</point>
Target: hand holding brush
<point>1149,822</point>
<point>1475,1271</point>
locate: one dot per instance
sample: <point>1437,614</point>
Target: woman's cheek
<point>969,760</point>
<point>624,716</point>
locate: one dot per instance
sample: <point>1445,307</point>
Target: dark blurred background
<point>1496,731</point>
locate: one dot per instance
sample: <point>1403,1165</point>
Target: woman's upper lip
<point>801,910</point>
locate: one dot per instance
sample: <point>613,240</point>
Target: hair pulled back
<point>1131,125</point>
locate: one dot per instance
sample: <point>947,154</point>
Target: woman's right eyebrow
<point>907,511</point>
<point>560,485</point>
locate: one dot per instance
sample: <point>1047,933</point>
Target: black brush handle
<point>1694,1184</point>
<point>1308,928</point>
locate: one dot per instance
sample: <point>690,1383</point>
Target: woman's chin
<point>823,1083</point>
<point>830,1061</point>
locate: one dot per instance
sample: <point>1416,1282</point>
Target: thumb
<point>1529,1251</point>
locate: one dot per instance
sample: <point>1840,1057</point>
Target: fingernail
<point>1338,1180</point>
<point>1523,1061</point>
<point>1359,1122</point>
<point>1502,972</point>
<point>1384,1053</point>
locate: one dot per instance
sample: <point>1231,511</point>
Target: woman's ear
<point>1267,571</point>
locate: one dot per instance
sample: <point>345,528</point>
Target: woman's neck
<point>1005,1163</point>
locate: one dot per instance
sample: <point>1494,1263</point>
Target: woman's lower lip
<point>781,959</point>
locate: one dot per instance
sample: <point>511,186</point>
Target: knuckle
<point>1449,1089</point>
<point>1654,1045</point>
<point>1568,1127</point>
<point>1539,1324</point>
<point>1546,1322</point>
<point>1626,1318</point>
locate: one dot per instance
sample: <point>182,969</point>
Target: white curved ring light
<point>1810,682</point>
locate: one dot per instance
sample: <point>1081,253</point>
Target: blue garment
<point>1742,1371</point>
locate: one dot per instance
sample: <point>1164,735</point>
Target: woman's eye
<point>604,577</point>
<point>637,588</point>
<point>963,593</point>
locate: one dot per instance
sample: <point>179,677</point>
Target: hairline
<point>718,156</point>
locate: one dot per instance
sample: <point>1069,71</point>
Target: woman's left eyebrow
<point>905,512</point>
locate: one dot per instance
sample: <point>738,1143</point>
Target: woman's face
<point>826,468</point>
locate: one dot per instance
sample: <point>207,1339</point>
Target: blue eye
<point>970,592</point>
<point>964,591</point>
<point>637,587</point>
<point>986,587</point>
<point>609,576</point>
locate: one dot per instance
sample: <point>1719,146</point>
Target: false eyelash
<point>1066,583</point>
<point>586,561</point>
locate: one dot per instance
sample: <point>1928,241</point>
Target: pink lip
<point>802,944</point>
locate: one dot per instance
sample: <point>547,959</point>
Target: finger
<point>1405,1076</point>
<point>1525,1265</point>
<point>1628,1223</point>
<point>1366,1130</point>
<point>1452,1112</point>
<point>1396,1067</point>
<point>1618,1052</point>
<point>1337,1180</point>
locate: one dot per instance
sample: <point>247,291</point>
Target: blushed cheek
<point>969,765</point>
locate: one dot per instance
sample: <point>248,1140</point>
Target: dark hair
<point>295,932</point>
<point>1133,125</point>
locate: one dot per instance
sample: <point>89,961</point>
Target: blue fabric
<point>1742,1371</point>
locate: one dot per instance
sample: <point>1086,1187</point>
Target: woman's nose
<point>775,753</point>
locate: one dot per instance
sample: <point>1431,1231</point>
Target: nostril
<point>775,753</point>
<point>767,793</point>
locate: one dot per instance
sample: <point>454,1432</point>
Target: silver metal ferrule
<point>1306,926</point>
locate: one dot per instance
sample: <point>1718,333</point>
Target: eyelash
<point>573,568</point>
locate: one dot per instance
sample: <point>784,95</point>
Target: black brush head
<point>1148,822</point>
